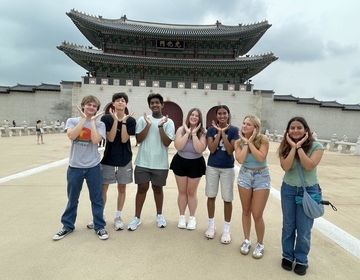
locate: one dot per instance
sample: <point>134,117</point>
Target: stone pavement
<point>31,207</point>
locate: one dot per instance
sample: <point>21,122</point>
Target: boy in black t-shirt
<point>117,161</point>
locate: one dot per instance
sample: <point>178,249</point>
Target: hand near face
<point>147,119</point>
<point>290,141</point>
<point>219,129</point>
<point>298,144</point>
<point>196,129</point>
<point>93,118</point>
<point>124,119</point>
<point>113,114</point>
<point>253,135</point>
<point>243,138</point>
<point>82,114</point>
<point>187,130</point>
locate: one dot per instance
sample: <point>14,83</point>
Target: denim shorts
<point>256,179</point>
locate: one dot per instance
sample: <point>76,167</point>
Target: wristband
<point>160,126</point>
<point>297,148</point>
<point>246,144</point>
<point>123,123</point>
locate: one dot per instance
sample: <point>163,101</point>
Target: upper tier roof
<point>94,28</point>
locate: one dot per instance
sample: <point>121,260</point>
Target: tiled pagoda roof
<point>251,64</point>
<point>92,27</point>
<point>288,97</point>
<point>309,101</point>
<point>30,88</point>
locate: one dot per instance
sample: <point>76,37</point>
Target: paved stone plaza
<point>31,207</point>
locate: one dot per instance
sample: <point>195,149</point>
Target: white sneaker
<point>191,223</point>
<point>160,220</point>
<point>182,222</point>
<point>245,247</point>
<point>210,232</point>
<point>258,251</point>
<point>118,223</point>
<point>134,223</point>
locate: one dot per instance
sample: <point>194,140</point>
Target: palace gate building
<point>190,65</point>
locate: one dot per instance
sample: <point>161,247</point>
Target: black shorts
<point>192,168</point>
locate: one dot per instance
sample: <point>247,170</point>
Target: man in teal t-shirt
<point>154,134</point>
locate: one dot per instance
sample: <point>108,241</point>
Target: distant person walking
<point>39,132</point>
<point>85,132</point>
<point>298,147</point>
<point>188,165</point>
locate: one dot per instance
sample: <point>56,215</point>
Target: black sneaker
<point>102,234</point>
<point>61,234</point>
<point>300,269</point>
<point>286,264</point>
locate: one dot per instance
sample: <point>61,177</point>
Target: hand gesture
<point>163,120</point>
<point>214,124</point>
<point>252,137</point>
<point>93,118</point>
<point>82,114</point>
<point>187,130</point>
<point>298,144</point>
<point>290,141</point>
<point>124,119</point>
<point>113,114</point>
<point>147,119</point>
<point>196,129</point>
<point>243,138</point>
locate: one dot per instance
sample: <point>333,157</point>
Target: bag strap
<point>326,202</point>
<point>302,178</point>
<point>301,174</point>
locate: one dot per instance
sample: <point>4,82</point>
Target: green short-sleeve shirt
<point>292,178</point>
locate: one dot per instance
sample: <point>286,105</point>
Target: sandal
<point>210,233</point>
<point>226,238</point>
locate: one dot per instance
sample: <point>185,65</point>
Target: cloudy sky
<point>317,42</point>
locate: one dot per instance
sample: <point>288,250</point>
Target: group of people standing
<point>154,133</point>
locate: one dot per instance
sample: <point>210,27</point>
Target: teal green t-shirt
<point>152,152</point>
<point>292,177</point>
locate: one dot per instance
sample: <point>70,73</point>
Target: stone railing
<point>9,131</point>
<point>333,145</point>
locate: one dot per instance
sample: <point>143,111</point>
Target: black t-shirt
<point>117,153</point>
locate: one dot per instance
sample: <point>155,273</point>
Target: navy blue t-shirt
<point>117,153</point>
<point>220,158</point>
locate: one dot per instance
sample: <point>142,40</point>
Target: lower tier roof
<point>238,69</point>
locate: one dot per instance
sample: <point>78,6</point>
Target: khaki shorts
<point>121,174</point>
<point>226,178</point>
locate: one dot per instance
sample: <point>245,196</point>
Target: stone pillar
<point>26,130</point>
<point>357,148</point>
<point>6,129</point>
<point>333,146</point>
